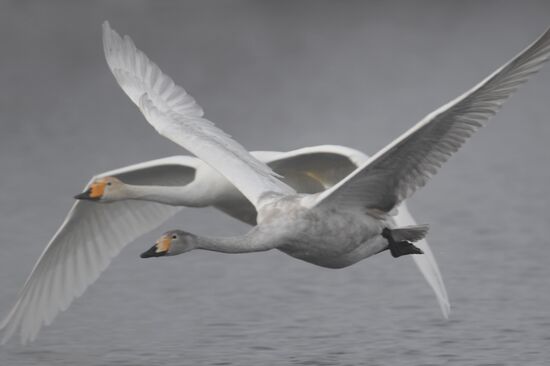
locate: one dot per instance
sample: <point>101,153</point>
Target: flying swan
<point>353,219</point>
<point>143,196</point>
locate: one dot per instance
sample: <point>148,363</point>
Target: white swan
<point>188,181</point>
<point>345,223</point>
<point>92,234</point>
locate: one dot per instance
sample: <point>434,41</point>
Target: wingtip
<point>6,334</point>
<point>4,323</point>
<point>106,29</point>
<point>107,33</point>
<point>444,304</point>
<point>446,310</point>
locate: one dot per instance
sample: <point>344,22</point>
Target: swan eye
<point>174,236</point>
<point>109,183</point>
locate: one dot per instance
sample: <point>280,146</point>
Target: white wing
<point>136,74</point>
<point>395,172</point>
<point>182,121</point>
<point>91,235</point>
<point>307,170</point>
<point>315,168</point>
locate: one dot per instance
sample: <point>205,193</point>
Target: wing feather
<point>135,73</point>
<point>406,164</point>
<point>91,235</point>
<point>315,168</point>
<point>176,115</point>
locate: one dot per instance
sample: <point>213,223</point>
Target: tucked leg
<point>399,248</point>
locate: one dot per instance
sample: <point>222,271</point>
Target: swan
<point>344,224</point>
<point>142,196</point>
<point>188,181</point>
<point>118,206</point>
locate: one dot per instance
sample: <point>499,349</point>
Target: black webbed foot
<point>399,248</point>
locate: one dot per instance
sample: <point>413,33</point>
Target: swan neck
<point>253,241</point>
<point>170,195</point>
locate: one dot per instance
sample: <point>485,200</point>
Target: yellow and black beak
<point>94,193</point>
<point>86,195</point>
<point>160,249</point>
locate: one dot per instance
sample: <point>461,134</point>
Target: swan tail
<point>411,233</point>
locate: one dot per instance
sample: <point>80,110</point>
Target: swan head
<point>105,189</point>
<point>172,242</point>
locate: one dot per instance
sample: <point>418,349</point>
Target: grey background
<point>280,75</point>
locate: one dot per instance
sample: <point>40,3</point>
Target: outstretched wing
<point>176,115</point>
<point>399,169</point>
<point>91,235</point>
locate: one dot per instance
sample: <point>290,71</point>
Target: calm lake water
<point>339,78</point>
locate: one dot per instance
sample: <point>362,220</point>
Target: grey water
<point>278,76</point>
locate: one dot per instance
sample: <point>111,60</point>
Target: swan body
<point>287,225</point>
<point>336,234</point>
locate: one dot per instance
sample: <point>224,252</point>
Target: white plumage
<point>93,233</point>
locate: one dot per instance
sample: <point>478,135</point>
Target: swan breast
<point>318,234</point>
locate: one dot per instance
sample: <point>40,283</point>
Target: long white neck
<point>189,195</point>
<point>254,241</point>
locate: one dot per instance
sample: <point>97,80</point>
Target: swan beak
<point>84,195</point>
<point>160,249</point>
<point>94,193</point>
